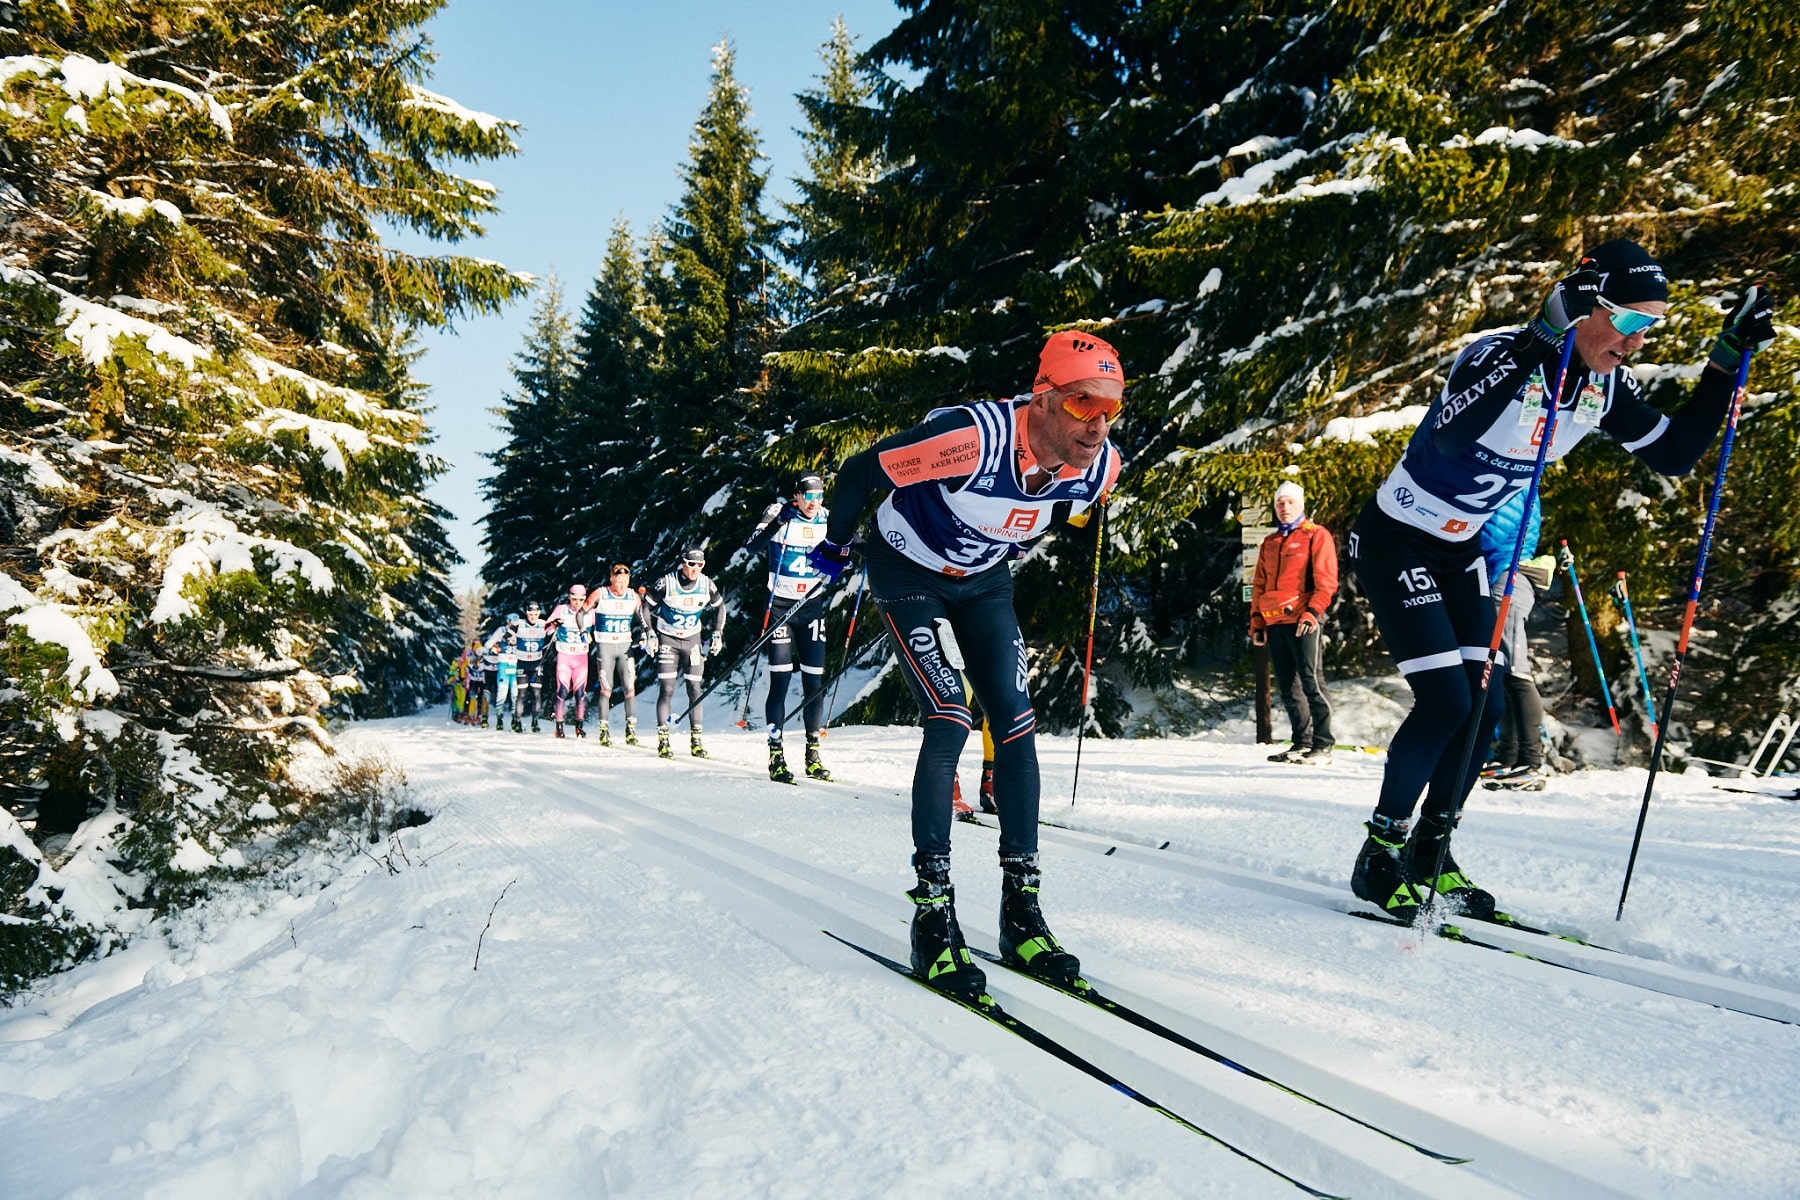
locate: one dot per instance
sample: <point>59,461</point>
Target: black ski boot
<point>778,768</point>
<point>518,725</point>
<point>559,729</point>
<point>1451,883</point>
<point>1383,872</point>
<point>605,732</point>
<point>581,731</point>
<point>534,724</point>
<point>939,955</point>
<point>630,732</point>
<point>815,766</point>
<point>662,742</point>
<point>1025,939</point>
<point>986,798</point>
<point>695,748</point>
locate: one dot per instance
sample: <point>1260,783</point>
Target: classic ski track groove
<point>1618,966</point>
<point>1006,1020</point>
<point>1369,1157</point>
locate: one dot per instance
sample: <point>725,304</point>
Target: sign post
<point>1251,535</point>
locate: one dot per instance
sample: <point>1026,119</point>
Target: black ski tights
<point>1426,752</point>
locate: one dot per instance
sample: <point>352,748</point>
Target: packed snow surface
<point>596,973</point>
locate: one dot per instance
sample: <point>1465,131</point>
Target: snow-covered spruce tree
<point>696,400</point>
<point>989,190</point>
<point>1348,243</point>
<point>212,452</point>
<point>823,231</point>
<point>538,485</point>
<point>612,412</point>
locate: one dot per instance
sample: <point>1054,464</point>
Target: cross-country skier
<point>530,640</point>
<point>1295,580</point>
<point>475,673</point>
<point>459,685</point>
<point>971,486</point>
<point>503,680</point>
<point>570,624</point>
<point>618,617</point>
<point>786,533</point>
<point>1416,546</point>
<point>680,601</point>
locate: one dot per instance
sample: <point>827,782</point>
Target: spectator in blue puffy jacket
<point>1518,761</point>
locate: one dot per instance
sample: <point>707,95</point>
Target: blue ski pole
<point>1568,562</point>
<point>1687,618</point>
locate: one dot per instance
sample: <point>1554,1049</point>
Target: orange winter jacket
<point>1295,574</point>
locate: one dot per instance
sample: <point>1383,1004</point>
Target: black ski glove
<point>1571,300</point>
<point>1750,326</point>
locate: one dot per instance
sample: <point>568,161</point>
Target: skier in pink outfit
<point>571,627</point>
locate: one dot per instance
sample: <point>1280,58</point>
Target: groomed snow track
<point>795,899</point>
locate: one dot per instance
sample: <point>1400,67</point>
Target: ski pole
<point>750,688</point>
<point>849,635</point>
<point>830,681</point>
<point>774,628</point>
<point>1568,562</point>
<point>1687,618</point>
<point>1637,651</point>
<point>1087,669</point>
<point>1512,574</point>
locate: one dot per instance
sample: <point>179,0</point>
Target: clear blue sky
<point>608,93</point>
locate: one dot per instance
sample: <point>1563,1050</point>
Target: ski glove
<point>650,645</point>
<point>717,644</point>
<point>1572,299</point>
<point>829,559</point>
<point>1750,326</point>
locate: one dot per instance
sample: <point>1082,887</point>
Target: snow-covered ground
<point>656,1011</point>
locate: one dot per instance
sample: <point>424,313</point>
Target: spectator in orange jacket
<point>1295,581</point>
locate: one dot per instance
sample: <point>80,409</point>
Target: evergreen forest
<point>1288,217</point>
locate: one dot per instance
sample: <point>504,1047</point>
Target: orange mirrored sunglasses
<point>1086,408</point>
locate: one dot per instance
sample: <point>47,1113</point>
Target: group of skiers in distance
<point>965,492</point>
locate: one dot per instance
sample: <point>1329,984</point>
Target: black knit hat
<point>1627,272</point>
<point>808,482</point>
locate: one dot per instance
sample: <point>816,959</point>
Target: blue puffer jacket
<point>1501,530</point>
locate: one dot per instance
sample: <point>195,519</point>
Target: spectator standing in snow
<point>1295,580</point>
<point>968,488</point>
<point>1416,547</point>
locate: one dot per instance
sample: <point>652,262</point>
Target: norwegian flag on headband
<point>1071,356</point>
